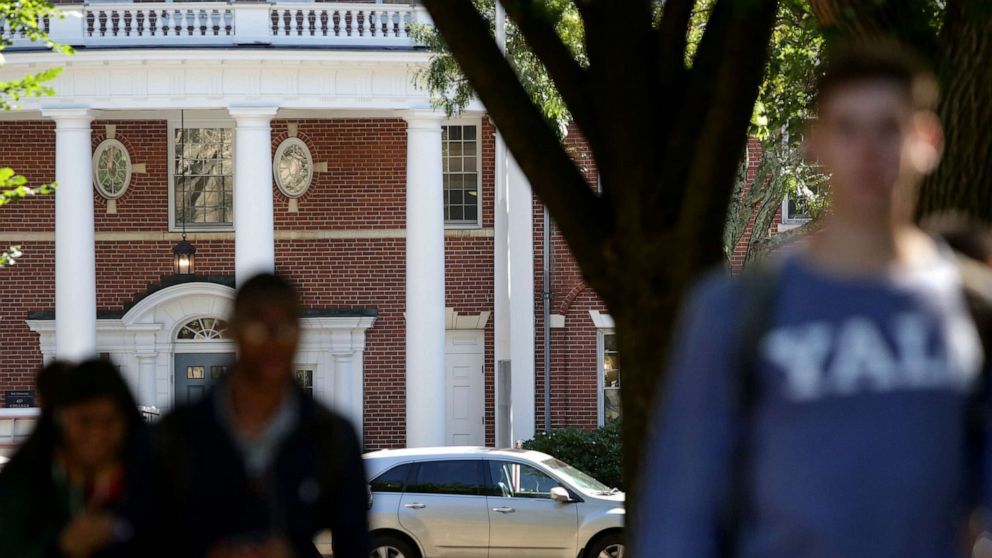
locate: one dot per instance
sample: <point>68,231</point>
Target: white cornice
<point>374,82</point>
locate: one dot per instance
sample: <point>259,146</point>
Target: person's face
<point>267,335</point>
<point>93,431</point>
<point>874,146</point>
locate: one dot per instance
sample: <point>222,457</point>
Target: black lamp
<point>184,253</point>
<point>184,258</point>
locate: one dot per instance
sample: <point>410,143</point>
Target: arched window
<point>202,329</point>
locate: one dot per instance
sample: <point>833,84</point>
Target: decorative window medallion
<point>292,167</point>
<point>111,169</point>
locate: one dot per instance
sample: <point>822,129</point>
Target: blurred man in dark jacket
<point>256,467</point>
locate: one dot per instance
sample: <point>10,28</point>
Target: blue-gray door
<point>196,371</point>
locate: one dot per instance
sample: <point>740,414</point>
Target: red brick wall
<point>574,373</point>
<point>739,256</point>
<point>364,188</point>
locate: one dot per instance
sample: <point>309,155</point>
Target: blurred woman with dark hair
<point>73,489</point>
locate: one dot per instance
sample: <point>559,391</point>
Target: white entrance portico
<point>146,339</point>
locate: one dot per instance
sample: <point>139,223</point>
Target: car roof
<point>377,461</point>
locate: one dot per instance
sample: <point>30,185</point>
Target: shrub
<point>598,453</point>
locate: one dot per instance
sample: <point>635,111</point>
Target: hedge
<point>598,453</point>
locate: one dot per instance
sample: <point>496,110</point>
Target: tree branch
<point>570,79</point>
<point>553,175</point>
<point>905,20</point>
<point>672,37</point>
<point>724,84</point>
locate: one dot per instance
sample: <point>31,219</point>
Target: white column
<point>501,298</point>
<point>521,228</point>
<point>503,388</point>
<point>75,245</point>
<point>344,389</point>
<point>254,235</point>
<point>146,379</point>
<point>425,375</point>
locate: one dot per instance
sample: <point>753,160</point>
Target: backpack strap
<point>976,283</point>
<point>757,292</point>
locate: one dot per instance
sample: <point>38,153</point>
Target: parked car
<point>479,502</point>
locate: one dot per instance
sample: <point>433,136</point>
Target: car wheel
<point>610,546</point>
<point>388,546</point>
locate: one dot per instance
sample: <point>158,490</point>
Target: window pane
<point>610,342</point>
<point>392,480</point>
<point>516,480</point>
<point>304,377</point>
<point>612,410</point>
<point>610,359</point>
<point>203,170</point>
<point>194,372</point>
<point>448,477</point>
<point>460,149</point>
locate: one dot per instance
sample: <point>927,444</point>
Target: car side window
<point>517,480</point>
<point>393,480</point>
<point>462,477</point>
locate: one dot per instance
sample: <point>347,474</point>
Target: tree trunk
<point>667,141</point>
<point>963,181</point>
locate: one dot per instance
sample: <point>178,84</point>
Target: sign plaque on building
<point>18,399</point>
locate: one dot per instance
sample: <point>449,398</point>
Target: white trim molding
<point>453,320</point>
<point>143,343</point>
<point>601,320</point>
<point>334,80</point>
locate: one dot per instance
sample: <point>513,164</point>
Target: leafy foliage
<point>783,170</point>
<point>785,103</point>
<point>598,453</point>
<point>24,18</point>
<point>450,90</point>
<point>784,100</point>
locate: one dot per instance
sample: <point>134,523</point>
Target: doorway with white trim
<point>464,365</point>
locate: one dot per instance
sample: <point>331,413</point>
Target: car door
<point>387,491</point>
<point>444,508</point>
<point>523,519</point>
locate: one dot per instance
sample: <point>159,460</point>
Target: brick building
<point>290,137</point>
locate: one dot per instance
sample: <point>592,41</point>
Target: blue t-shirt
<point>856,445</point>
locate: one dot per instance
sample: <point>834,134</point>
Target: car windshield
<point>579,479</point>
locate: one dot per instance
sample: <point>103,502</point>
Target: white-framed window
<point>303,374</point>
<point>461,159</point>
<point>201,176</point>
<point>795,210</point>
<point>608,366</point>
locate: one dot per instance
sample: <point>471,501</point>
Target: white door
<point>465,388</point>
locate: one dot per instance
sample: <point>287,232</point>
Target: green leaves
<point>9,256</point>
<point>450,90</point>
<point>27,19</point>
<point>13,187</point>
<point>598,453</point>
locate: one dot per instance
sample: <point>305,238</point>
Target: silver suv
<point>479,502</point>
